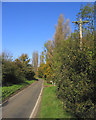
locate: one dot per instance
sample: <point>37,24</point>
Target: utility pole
<point>80,22</point>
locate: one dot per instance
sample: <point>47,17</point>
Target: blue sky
<point>27,26</point>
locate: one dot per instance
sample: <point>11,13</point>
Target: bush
<point>29,73</point>
<point>75,82</point>
<point>15,72</point>
<point>11,74</point>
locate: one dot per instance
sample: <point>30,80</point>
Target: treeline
<point>16,71</point>
<point>72,68</point>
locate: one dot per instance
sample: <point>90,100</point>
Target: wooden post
<point>80,25</point>
<point>80,34</point>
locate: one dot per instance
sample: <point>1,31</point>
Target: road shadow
<point>36,79</point>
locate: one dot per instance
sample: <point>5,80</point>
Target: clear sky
<point>27,26</point>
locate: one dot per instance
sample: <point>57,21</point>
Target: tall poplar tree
<point>35,61</point>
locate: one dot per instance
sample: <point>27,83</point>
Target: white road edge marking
<point>31,116</point>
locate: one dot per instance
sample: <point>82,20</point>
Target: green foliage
<point>15,72</point>
<point>41,70</point>
<point>87,13</point>
<point>10,73</point>
<point>24,59</point>
<point>72,69</point>
<point>44,71</point>
<point>29,73</point>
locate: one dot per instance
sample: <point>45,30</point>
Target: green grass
<point>8,90</point>
<point>51,107</point>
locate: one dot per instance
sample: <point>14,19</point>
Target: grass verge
<point>9,90</point>
<point>51,107</point>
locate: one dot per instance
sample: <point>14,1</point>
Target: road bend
<point>22,104</point>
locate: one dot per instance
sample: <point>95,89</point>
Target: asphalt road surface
<point>22,104</point>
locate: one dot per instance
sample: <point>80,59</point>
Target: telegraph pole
<point>80,22</point>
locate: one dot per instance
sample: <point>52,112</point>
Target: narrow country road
<point>22,104</point>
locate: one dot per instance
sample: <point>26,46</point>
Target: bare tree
<point>35,61</point>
